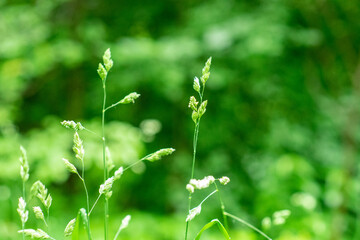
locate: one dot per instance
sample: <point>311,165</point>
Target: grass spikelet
<point>159,154</point>
<point>36,234</point>
<point>202,183</point>
<point>72,125</point>
<point>69,166</point>
<point>78,147</point>
<point>39,214</point>
<point>193,213</point>
<point>24,165</point>
<point>23,213</point>
<point>69,228</point>
<point>224,180</point>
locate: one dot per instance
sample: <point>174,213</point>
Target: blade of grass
<point>81,217</point>
<point>209,225</point>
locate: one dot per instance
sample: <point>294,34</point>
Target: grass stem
<point>106,205</point>
<point>247,224</point>
<point>222,208</point>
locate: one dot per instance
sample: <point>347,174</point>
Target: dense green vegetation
<point>282,120</point>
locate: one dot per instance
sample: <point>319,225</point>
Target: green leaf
<point>77,233</point>
<point>209,225</point>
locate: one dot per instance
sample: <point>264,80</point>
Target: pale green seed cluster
<point>36,234</point>
<point>78,147</point>
<point>159,154</point>
<point>130,98</point>
<point>39,190</point>
<point>205,183</point>
<point>198,112</point>
<point>24,165</point>
<point>103,69</point>
<point>206,72</point>
<point>193,213</point>
<point>106,188</point>
<point>200,184</point>
<point>69,166</point>
<point>70,228</point>
<point>125,222</point>
<point>39,213</point>
<point>73,125</point>
<point>224,180</point>
<point>24,214</point>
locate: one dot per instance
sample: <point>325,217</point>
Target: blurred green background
<point>282,120</point>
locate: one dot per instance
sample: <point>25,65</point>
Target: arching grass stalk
<point>196,116</point>
<point>247,224</point>
<point>150,157</point>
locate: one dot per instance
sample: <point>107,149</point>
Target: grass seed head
<point>190,188</point>
<point>193,213</point>
<point>107,60</point>
<point>73,125</point>
<point>118,173</point>
<point>193,103</point>
<point>202,183</point>
<point>37,234</point>
<point>159,154</point>
<point>106,187</point>
<point>196,85</point>
<point>38,213</point>
<point>130,98</point>
<point>206,71</point>
<point>102,72</point>
<point>202,108</point>
<point>69,166</point>
<point>23,213</point>
<point>224,180</point>
<point>78,147</point>
<point>70,228</point>
<point>24,165</point>
<point>125,222</point>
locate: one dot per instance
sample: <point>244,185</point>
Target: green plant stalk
<point>248,225</point>
<point>48,218</point>
<point>127,168</point>
<point>106,205</point>
<point>22,223</point>
<point>195,140</point>
<point>87,199</point>
<point>222,208</point>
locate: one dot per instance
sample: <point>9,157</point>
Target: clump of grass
<point>39,190</point>
<point>198,108</point>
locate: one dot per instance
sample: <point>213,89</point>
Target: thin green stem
<point>94,204</point>
<point>82,178</point>
<point>48,218</point>
<point>195,139</point>
<point>22,223</point>
<point>113,105</point>
<point>106,205</point>
<point>127,168</point>
<point>213,192</point>
<point>93,133</point>
<point>247,224</point>
<point>222,208</point>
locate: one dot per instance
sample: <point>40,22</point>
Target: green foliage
<point>283,115</point>
<point>209,225</point>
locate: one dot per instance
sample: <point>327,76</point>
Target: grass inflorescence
<point>110,177</point>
